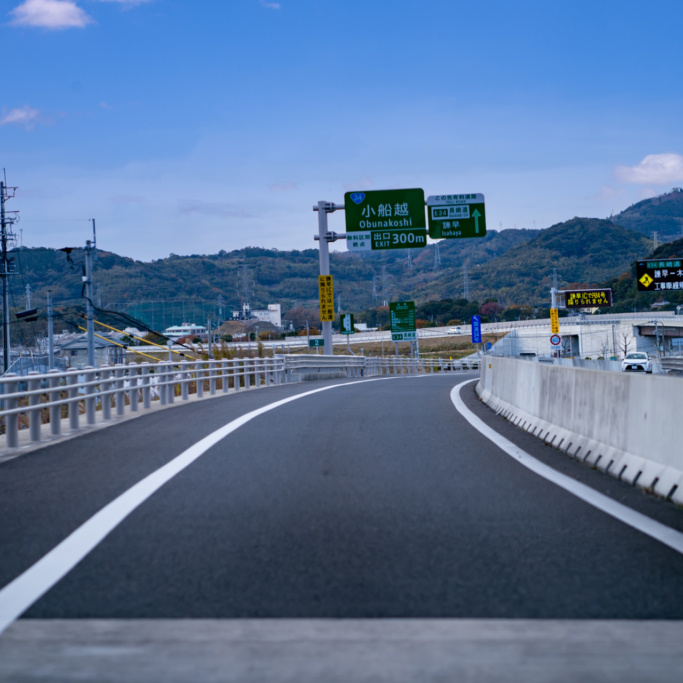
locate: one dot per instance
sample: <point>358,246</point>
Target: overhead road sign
<point>554,321</point>
<point>385,219</point>
<point>555,339</point>
<point>411,238</point>
<point>658,275</point>
<point>402,317</point>
<point>384,210</point>
<point>456,215</point>
<point>326,294</point>
<point>587,298</point>
<point>346,324</point>
<point>476,329</point>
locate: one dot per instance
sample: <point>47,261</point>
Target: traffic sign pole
<point>323,209</point>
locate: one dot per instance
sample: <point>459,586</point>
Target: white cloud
<point>270,5</point>
<point>654,169</point>
<point>22,116</point>
<point>51,14</point>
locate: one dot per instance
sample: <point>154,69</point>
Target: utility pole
<point>89,312</point>
<point>7,219</point>
<point>28,297</point>
<point>553,290</point>
<point>50,332</point>
<point>466,282</point>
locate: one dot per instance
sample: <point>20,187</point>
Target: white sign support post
<point>323,208</point>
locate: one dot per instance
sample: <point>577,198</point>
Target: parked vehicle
<point>454,330</point>
<point>637,361</point>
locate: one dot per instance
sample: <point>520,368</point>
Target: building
<point>186,330</point>
<point>272,314</point>
<point>75,352</point>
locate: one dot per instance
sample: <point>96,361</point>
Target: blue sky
<point>191,127</point>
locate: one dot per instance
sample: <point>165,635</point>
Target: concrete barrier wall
<point>629,425</point>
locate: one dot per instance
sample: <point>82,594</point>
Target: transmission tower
<point>375,294</point>
<point>244,289</point>
<point>437,257</point>
<point>466,281</point>
<point>655,240</point>
<point>385,287</point>
<point>409,261</point>
<point>7,220</point>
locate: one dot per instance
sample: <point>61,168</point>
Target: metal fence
<point>61,400</point>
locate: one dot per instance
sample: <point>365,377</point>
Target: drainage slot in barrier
<point>623,469</point>
<point>671,493</point>
<point>635,481</point>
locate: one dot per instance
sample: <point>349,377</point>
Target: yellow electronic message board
<point>554,321</point>
<point>326,298</point>
<point>588,298</point>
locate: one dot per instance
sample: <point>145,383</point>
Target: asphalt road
<point>372,500</point>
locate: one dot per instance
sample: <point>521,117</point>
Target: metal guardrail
<point>672,365</point>
<point>110,392</point>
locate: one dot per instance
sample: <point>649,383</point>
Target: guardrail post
<point>225,374</point>
<point>269,371</point>
<point>72,381</point>
<point>212,377</point>
<point>184,381</point>
<point>133,387</point>
<point>146,388</point>
<point>199,374</point>
<point>105,387</point>
<point>237,370</point>
<point>248,372</point>
<point>170,389</point>
<point>90,400</point>
<point>34,413</point>
<point>55,411</point>
<point>11,421</point>
<point>120,396</point>
<point>161,381</point>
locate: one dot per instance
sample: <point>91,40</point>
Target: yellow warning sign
<point>326,298</point>
<point>554,321</point>
<point>646,280</point>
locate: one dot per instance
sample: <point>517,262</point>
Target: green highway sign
<point>384,210</point>
<point>403,336</point>
<point>399,239</point>
<point>312,343</point>
<point>657,275</point>
<point>403,321</point>
<point>346,324</point>
<point>456,215</point>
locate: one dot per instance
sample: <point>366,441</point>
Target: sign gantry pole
<point>325,237</point>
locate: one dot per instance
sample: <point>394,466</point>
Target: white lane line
<point>650,527</point>
<point>18,595</point>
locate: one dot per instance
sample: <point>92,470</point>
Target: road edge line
<point>636,520</point>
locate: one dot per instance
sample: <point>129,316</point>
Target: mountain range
<point>514,267</point>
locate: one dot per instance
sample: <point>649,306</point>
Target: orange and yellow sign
<point>326,298</point>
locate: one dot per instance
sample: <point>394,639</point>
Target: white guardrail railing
<point>29,402</point>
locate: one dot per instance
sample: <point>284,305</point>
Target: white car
<point>637,361</point>
<point>454,330</point>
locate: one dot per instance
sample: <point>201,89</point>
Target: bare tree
<point>624,343</point>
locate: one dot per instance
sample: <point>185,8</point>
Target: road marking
<point>643,523</point>
<point>18,595</point>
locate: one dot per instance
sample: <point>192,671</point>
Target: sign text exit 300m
<point>399,239</point>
